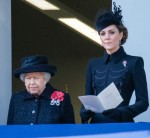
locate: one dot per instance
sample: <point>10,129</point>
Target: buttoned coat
<point>127,73</point>
<point>28,109</point>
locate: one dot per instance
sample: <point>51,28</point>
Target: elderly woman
<point>40,103</point>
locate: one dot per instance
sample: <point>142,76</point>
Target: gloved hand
<point>108,112</point>
<point>85,115</point>
<point>84,121</point>
<point>113,114</point>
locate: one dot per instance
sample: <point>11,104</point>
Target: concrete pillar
<point>5,58</point>
<point>136,18</point>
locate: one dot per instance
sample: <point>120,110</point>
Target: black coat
<point>127,72</point>
<point>27,109</point>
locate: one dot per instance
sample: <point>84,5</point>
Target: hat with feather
<point>106,18</point>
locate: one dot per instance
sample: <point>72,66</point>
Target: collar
<point>115,57</point>
<point>46,93</point>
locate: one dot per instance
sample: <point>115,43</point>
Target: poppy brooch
<point>56,97</point>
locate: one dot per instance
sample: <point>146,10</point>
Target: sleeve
<point>127,113</point>
<point>68,111</point>
<point>141,92</point>
<point>10,111</point>
<point>87,114</point>
<point>89,82</point>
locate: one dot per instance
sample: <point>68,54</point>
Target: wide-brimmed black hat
<point>37,63</point>
<point>106,18</point>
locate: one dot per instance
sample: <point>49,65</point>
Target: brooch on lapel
<point>124,63</point>
<point>57,97</point>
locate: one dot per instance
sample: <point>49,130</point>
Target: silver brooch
<point>124,63</point>
<point>55,102</point>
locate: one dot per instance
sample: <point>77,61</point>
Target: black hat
<point>106,18</point>
<point>35,63</point>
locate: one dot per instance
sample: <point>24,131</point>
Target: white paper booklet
<point>107,99</point>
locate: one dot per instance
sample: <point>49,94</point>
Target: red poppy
<point>57,95</point>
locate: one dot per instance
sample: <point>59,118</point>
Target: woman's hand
<point>113,113</point>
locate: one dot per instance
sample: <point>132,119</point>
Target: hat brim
<point>36,68</point>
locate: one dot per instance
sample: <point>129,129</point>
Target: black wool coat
<point>27,109</point>
<point>127,73</point>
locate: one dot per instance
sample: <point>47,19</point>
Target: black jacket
<point>27,109</point>
<point>127,72</point>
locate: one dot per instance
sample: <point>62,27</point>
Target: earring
<point>119,42</point>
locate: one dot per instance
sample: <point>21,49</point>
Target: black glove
<point>84,121</point>
<point>85,115</point>
<point>113,114</point>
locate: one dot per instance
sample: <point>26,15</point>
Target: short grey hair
<point>47,76</point>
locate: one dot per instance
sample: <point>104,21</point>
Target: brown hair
<point>123,29</point>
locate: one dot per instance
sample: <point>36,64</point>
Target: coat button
<point>33,112</point>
